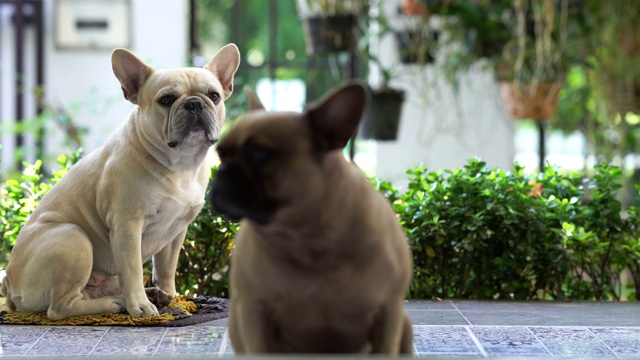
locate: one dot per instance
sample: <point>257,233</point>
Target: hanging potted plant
<point>416,41</point>
<point>616,74</point>
<point>530,101</point>
<point>382,119</point>
<point>413,7</point>
<point>475,30</point>
<point>533,67</point>
<point>330,26</point>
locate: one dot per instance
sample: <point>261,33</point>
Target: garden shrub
<point>19,197</point>
<point>202,266</point>
<point>484,233</point>
<point>475,232</point>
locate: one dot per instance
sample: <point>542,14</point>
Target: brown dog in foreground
<point>321,264</point>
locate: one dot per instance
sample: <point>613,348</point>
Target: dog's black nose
<point>193,103</point>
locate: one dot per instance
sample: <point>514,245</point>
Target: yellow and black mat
<point>180,311</point>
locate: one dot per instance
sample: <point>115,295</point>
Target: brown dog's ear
<point>224,65</point>
<point>130,71</point>
<point>252,99</point>
<point>336,117</point>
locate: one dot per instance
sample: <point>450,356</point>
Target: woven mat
<point>181,311</point>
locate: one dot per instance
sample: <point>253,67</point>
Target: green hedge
<point>475,232</point>
<point>484,233</point>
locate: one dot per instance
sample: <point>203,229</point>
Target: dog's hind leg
<point>73,303</point>
<point>5,292</point>
<point>53,271</point>
<point>68,296</point>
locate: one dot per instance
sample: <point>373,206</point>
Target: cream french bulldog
<point>82,250</point>
<point>321,264</point>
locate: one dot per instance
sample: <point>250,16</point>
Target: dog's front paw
<point>141,307</point>
<point>115,304</point>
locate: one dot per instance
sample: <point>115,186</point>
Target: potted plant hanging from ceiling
<point>416,40</point>
<point>616,69</point>
<point>533,66</point>
<point>330,25</point>
<point>382,119</point>
<point>476,30</point>
<point>413,7</point>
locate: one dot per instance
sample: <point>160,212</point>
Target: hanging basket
<point>382,120</point>
<point>416,46</point>
<point>623,96</point>
<point>529,101</point>
<point>329,34</point>
<point>413,7</point>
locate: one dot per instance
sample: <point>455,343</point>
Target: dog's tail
<point>4,291</point>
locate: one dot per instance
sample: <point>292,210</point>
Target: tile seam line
<point>529,325</point>
<point>603,343</point>
<point>97,342</point>
<point>35,342</point>
<point>540,341</point>
<point>160,342</point>
<point>475,340</point>
<point>461,314</point>
<point>225,340</point>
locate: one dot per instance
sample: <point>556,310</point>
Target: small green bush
<point>484,233</point>
<point>19,197</point>
<point>203,266</point>
<point>475,232</point>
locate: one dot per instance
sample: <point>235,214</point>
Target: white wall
<point>440,128</point>
<point>82,81</point>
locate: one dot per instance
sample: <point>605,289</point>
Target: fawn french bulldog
<point>83,248</point>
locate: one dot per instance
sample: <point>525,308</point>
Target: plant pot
<point>623,96</point>
<point>629,42</point>
<point>528,101</point>
<point>415,47</point>
<point>484,46</point>
<point>413,7</point>
<point>382,119</point>
<point>329,34</point>
<point>490,48</point>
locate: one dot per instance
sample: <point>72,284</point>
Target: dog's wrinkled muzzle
<point>193,118</point>
<point>234,195</point>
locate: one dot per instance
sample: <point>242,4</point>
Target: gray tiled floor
<point>449,329</point>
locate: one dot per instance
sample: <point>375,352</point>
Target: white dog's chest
<point>165,220</point>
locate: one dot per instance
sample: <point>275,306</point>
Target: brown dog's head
<point>273,160</point>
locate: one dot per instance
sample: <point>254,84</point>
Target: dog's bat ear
<point>131,72</point>
<point>224,65</point>
<point>336,117</point>
<point>252,99</point>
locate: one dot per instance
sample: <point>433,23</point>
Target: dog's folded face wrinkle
<point>194,116</point>
<point>235,196</point>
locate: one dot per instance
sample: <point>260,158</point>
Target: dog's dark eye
<point>167,100</point>
<point>215,97</point>
<point>257,156</point>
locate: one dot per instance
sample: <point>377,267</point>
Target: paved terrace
<point>442,330</point>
